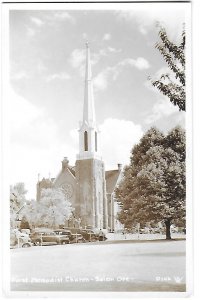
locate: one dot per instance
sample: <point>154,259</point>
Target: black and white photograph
<point>97,108</point>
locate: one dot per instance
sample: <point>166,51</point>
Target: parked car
<point>91,236</point>
<point>72,237</point>
<point>45,237</point>
<point>18,239</point>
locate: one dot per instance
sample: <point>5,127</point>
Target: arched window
<point>86,141</point>
<point>95,141</point>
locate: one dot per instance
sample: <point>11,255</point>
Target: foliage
<point>52,210</point>
<point>24,223</point>
<point>153,187</point>
<point>174,55</point>
<point>17,200</point>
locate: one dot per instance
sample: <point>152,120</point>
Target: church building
<point>87,185</point>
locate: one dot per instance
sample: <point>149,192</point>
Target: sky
<point>46,86</point>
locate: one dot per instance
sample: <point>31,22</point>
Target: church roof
<point>72,170</point>
<point>112,177</point>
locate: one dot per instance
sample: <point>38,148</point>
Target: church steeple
<point>88,132</point>
<point>88,111</point>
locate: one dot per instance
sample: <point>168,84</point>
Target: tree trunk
<point>167,225</point>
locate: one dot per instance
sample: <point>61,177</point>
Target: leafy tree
<point>153,187</point>
<point>174,55</point>
<point>24,223</point>
<point>53,209</point>
<point>17,201</point>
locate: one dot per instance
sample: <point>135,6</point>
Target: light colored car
<point>19,239</point>
<point>46,236</point>
<point>73,237</point>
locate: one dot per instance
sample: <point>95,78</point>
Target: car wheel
<point>37,243</point>
<point>27,245</point>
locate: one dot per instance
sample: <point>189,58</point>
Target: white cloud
<point>102,79</point>
<point>63,16</point>
<point>171,16</point>
<point>162,108</point>
<point>143,29</point>
<point>38,22</point>
<point>111,73</point>
<point>58,76</point>
<point>30,31</point>
<point>77,58</point>
<point>140,63</point>
<point>114,50</point>
<point>117,139</point>
<point>35,146</point>
<point>106,37</point>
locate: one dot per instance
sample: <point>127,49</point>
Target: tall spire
<point>88,132</point>
<point>88,111</point>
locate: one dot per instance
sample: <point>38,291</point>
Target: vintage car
<point>89,235</point>
<point>73,237</point>
<point>47,237</point>
<point>19,239</point>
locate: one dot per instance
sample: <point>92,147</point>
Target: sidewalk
<point>144,237</point>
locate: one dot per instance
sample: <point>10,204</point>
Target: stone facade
<point>91,192</point>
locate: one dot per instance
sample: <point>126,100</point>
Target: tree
<point>17,200</point>
<point>53,209</point>
<point>153,187</point>
<point>173,85</point>
<point>24,223</point>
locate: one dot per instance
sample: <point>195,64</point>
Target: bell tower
<point>90,171</point>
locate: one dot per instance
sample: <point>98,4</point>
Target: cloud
<point>102,79</point>
<point>111,73</point>
<point>77,58</point>
<point>38,22</point>
<point>35,146</point>
<point>64,16</point>
<point>171,16</point>
<point>140,63</point>
<point>117,139</point>
<point>114,50</point>
<point>162,108</point>
<point>27,122</point>
<point>106,37</point>
<point>30,31</point>
<point>58,76</point>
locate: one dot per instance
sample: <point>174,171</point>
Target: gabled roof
<point>112,177</point>
<point>72,169</point>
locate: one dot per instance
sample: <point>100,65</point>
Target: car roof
<point>43,230</point>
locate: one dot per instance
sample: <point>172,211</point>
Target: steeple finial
<point>88,111</point>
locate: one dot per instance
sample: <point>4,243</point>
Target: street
<point>108,266</point>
